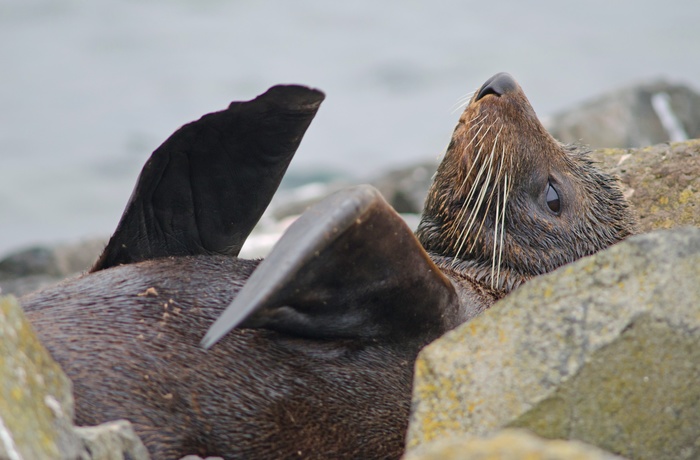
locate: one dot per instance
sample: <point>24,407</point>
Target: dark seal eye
<point>553,200</point>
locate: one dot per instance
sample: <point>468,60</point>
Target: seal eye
<point>553,200</point>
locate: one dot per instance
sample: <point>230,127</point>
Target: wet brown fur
<point>133,352</point>
<point>467,228</point>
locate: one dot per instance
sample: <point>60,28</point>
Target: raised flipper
<point>349,267</point>
<point>205,188</point>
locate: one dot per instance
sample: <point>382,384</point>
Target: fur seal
<point>317,342</point>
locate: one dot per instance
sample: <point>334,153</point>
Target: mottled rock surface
<point>662,182</point>
<point>509,444</point>
<point>115,440</point>
<point>406,188</point>
<point>26,270</point>
<point>605,350</point>
<point>36,403</point>
<point>635,116</point>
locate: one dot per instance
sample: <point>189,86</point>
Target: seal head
<point>510,202</point>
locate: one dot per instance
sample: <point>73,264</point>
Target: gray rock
<point>295,201</point>
<point>29,269</point>
<point>36,403</point>
<point>636,116</point>
<point>662,182</point>
<point>605,350</point>
<point>115,440</point>
<point>509,444</point>
<point>406,188</point>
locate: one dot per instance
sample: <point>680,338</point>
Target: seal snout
<point>498,85</point>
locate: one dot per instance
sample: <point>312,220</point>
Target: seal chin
<point>510,202</point>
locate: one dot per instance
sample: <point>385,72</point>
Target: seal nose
<point>498,85</point>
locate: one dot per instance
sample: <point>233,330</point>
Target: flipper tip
<point>209,340</point>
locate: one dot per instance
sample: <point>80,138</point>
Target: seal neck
<point>499,280</point>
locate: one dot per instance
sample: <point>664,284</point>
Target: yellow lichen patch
<point>685,196</point>
<point>548,291</point>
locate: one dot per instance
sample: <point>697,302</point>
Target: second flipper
<point>205,188</point>
<point>349,267</point>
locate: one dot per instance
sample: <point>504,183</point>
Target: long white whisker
<point>484,188</point>
<point>480,198</point>
<point>462,101</point>
<point>465,202</point>
<point>506,192</point>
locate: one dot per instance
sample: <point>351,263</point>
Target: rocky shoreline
<point>605,351</point>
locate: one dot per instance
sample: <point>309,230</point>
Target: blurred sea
<point>89,89</point>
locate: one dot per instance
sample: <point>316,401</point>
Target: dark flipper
<point>347,268</point>
<point>205,188</point>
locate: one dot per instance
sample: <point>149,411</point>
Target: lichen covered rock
<point>509,444</point>
<point>36,403</point>
<point>662,182</point>
<point>115,440</point>
<point>606,350</point>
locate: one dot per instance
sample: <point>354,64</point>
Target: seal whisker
<point>477,156</point>
<point>470,195</point>
<point>506,192</point>
<point>480,202</point>
<point>462,101</point>
<point>495,240</point>
<point>478,123</point>
<point>500,220</point>
<point>484,189</point>
<point>463,210</point>
<point>500,213</point>
<point>480,198</point>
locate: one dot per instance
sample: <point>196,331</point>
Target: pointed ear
<point>347,268</point>
<point>205,188</point>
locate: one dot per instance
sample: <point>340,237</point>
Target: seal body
<point>128,337</point>
<point>318,341</point>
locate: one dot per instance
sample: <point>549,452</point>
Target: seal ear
<point>349,267</point>
<point>205,188</point>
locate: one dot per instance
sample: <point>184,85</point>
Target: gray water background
<point>89,88</point>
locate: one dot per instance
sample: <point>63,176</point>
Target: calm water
<point>89,89</point>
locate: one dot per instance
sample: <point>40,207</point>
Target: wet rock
<point>605,350</point>
<point>662,182</point>
<point>636,116</point>
<point>406,188</point>
<point>295,201</point>
<point>36,403</point>
<point>29,269</point>
<point>509,444</point>
<point>115,440</point>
